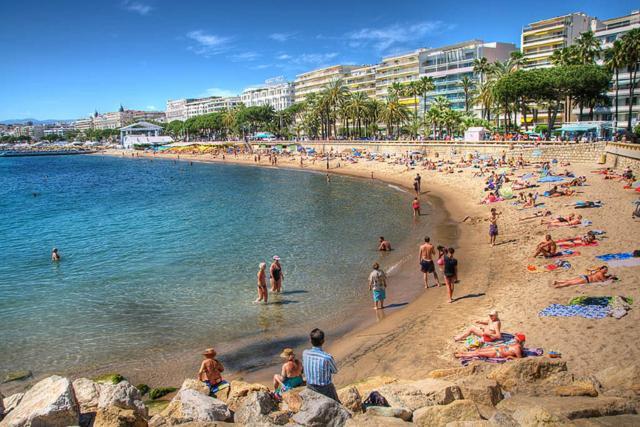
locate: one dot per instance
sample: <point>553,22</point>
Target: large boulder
<point>482,391</point>
<point>291,400</point>
<point>441,415</point>
<point>570,407</point>
<point>537,416</point>
<point>578,388</point>
<point>50,402</point>
<point>614,421</point>
<point>11,402</point>
<point>519,373</point>
<point>350,398</point>
<point>454,373</point>
<point>191,384</point>
<point>480,423</point>
<point>1,406</point>
<point>620,381</point>
<point>87,393</point>
<point>374,383</point>
<point>254,408</point>
<point>386,411</point>
<point>368,420</point>
<point>319,411</point>
<point>191,406</point>
<point>240,390</point>
<point>114,416</point>
<point>124,396</point>
<point>417,394</point>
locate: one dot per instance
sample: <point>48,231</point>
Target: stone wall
<point>572,152</point>
<point>620,155</point>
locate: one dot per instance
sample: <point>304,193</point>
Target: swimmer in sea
<point>55,256</point>
<point>384,245</point>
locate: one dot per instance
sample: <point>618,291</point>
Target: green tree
<point>426,85</point>
<point>467,85</point>
<point>631,49</point>
<point>614,61</point>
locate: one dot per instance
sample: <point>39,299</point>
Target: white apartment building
<point>539,39</point>
<point>608,31</point>
<point>111,120</point>
<point>276,92</point>
<point>449,64</point>
<point>183,109</point>
<point>362,79</point>
<point>83,124</point>
<point>317,80</point>
<point>401,69</point>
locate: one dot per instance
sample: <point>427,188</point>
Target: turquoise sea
<point>161,256</point>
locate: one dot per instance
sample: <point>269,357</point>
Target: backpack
<point>374,399</point>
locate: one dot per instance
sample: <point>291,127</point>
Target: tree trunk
<point>524,115</point>
<point>633,74</point>
<point>616,98</point>
<point>581,109</point>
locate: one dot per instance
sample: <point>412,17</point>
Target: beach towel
<point>558,264</point>
<point>551,179</point>
<point>526,352</point>
<point>586,311</point>
<point>616,256</point>
<point>574,244</point>
<point>566,253</point>
<point>628,262</point>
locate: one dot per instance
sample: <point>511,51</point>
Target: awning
<point>577,128</point>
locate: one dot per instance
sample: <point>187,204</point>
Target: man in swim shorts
<point>548,248</point>
<point>426,253</point>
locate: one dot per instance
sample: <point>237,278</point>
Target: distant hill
<point>34,121</point>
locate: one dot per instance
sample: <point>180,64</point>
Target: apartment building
<point>448,65</point>
<point>111,120</point>
<point>362,79</point>
<point>83,124</point>
<point>276,92</point>
<point>317,80</point>
<point>401,69</point>
<point>539,39</point>
<point>608,31</point>
<point>183,109</point>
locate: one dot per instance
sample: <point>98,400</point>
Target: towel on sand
<point>526,352</point>
<point>590,307</point>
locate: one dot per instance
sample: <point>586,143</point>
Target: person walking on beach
<point>263,294</point>
<point>319,367</point>
<point>450,272</point>
<point>55,256</point>
<point>427,267</point>
<point>416,207</point>
<point>493,226</point>
<point>378,285</point>
<point>276,275</point>
<point>418,181</point>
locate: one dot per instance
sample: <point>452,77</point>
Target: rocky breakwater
<point>527,392</point>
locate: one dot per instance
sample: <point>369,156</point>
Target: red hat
<point>520,337</point>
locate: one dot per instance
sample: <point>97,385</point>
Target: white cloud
<point>314,58</point>
<point>281,37</point>
<point>216,91</point>
<point>283,57</point>
<point>151,108</point>
<point>245,56</point>
<point>207,44</point>
<point>137,7</point>
<point>262,66</point>
<point>385,37</point>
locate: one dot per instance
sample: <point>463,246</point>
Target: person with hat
<point>511,351</point>
<point>291,374</point>
<point>276,275</point>
<point>210,372</point>
<point>487,330</point>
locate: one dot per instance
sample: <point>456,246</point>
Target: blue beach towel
<point>551,179</point>
<point>611,257</point>
<point>586,311</point>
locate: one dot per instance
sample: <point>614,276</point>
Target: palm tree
<point>517,60</point>
<point>614,60</point>
<point>631,52</point>
<point>432,118</point>
<point>334,95</point>
<point>373,115</point>
<point>395,90</point>
<point>425,85</point>
<point>413,90</point>
<point>358,109</point>
<point>467,85</point>
<point>485,97</point>
<point>229,119</point>
<point>394,114</point>
<point>565,56</point>
<point>481,67</point>
<point>588,48</point>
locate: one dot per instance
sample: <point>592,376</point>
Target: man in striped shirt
<point>319,367</point>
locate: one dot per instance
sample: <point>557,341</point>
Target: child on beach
<point>210,372</point>
<point>450,272</point>
<point>493,226</point>
<point>416,207</point>
<point>378,285</point>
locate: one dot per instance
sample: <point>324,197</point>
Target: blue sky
<point>64,58</point>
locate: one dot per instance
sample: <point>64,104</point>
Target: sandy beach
<point>409,341</point>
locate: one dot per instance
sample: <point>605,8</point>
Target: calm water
<point>158,255</point>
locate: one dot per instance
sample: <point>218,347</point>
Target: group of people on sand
<point>489,337</point>
<point>447,264</point>
<point>317,366</point>
<point>275,276</point>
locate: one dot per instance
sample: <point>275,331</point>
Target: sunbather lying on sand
<point>488,330</point>
<point>587,204</point>
<point>511,351</point>
<point>575,182</point>
<point>537,215</point>
<point>570,221</point>
<point>555,192</point>
<point>587,239</point>
<point>491,198</point>
<point>594,276</point>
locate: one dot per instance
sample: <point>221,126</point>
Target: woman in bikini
<point>291,375</point>
<point>570,221</point>
<point>487,330</point>
<point>511,351</point>
<point>262,283</point>
<point>593,276</point>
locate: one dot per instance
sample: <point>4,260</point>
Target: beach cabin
<point>476,134</point>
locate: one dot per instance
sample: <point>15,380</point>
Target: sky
<point>63,59</point>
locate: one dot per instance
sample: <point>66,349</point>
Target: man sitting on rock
<point>210,373</point>
<point>319,367</point>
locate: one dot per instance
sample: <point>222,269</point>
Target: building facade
<point>83,124</point>
<point>317,80</point>
<point>539,39</point>
<point>448,65</point>
<point>276,92</point>
<point>401,69</point>
<point>183,109</point>
<point>362,79</point>
<point>176,110</point>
